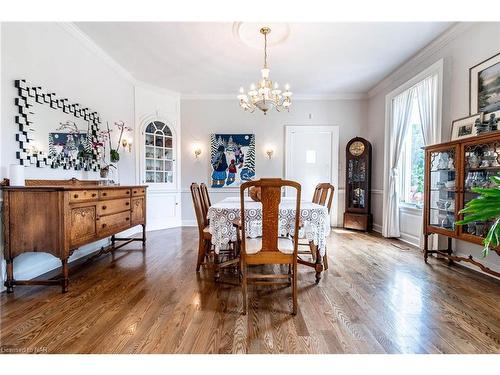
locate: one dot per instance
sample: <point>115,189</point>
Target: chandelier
<point>266,94</point>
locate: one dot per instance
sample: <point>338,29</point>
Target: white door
<point>312,157</point>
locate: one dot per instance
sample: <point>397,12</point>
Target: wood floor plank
<point>375,298</point>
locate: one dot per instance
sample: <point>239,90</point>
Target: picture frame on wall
<point>464,127</point>
<point>484,86</point>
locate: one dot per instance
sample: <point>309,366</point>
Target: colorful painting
<point>232,159</point>
<point>69,146</point>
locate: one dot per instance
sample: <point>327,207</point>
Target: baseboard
<point>405,237</point>
<point>189,223</point>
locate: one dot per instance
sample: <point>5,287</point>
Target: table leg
<point>318,265</point>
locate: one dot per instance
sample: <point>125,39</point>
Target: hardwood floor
<point>375,298</point>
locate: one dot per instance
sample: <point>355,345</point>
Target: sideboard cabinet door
<point>83,222</point>
<point>137,210</point>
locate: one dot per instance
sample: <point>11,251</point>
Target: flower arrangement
<point>104,138</point>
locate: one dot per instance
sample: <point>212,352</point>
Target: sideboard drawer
<point>138,192</point>
<point>113,206</point>
<point>114,193</point>
<point>82,195</point>
<point>113,222</point>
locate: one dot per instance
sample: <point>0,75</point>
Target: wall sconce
<point>269,150</point>
<point>196,150</point>
<point>127,144</point>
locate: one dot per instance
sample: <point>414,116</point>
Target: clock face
<point>356,148</point>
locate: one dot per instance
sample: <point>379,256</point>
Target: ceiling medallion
<point>266,94</point>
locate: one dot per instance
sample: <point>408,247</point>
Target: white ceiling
<point>214,59</point>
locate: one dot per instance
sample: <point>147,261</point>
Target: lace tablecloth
<point>315,220</point>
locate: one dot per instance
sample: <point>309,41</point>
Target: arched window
<point>159,153</point>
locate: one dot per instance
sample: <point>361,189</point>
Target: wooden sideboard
<point>58,216</point>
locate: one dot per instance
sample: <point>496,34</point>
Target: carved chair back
<point>198,207</point>
<point>205,201</point>
<point>270,200</point>
<point>323,195</point>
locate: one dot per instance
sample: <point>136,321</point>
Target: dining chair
<point>205,200</point>
<point>270,248</point>
<point>204,241</point>
<point>323,195</point>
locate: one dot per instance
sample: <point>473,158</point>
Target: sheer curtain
<point>401,111</point>
<point>426,95</point>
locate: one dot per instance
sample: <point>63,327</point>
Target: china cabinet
<point>357,213</point>
<point>452,169</point>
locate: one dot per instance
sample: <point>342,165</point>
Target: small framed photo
<point>464,127</point>
<point>484,86</point>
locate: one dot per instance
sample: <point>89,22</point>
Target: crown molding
<point>92,46</point>
<point>77,33</point>
<point>413,62</point>
<point>298,97</point>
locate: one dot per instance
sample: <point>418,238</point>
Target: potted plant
<point>483,208</point>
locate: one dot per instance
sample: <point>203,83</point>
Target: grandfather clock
<point>357,213</point>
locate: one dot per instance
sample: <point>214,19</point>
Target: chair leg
<point>325,261</point>
<point>294,288</point>
<point>201,254</point>
<point>244,287</point>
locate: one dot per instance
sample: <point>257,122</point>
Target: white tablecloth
<point>314,217</point>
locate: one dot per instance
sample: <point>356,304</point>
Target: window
<point>411,162</point>
<point>159,153</point>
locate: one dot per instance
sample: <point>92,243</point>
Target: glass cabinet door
<point>159,154</point>
<point>481,161</point>
<point>356,183</point>
<point>442,190</point>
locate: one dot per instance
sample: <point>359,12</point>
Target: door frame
<point>335,132</point>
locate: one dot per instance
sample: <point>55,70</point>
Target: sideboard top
<point>62,185</point>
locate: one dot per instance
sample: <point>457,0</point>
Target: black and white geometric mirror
<point>57,134</point>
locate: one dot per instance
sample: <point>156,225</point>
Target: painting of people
<point>232,159</point>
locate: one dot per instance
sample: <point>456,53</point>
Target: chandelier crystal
<point>265,94</point>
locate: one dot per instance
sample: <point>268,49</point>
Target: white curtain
<point>401,111</point>
<point>426,94</point>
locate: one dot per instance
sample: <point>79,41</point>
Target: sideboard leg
<point>9,283</point>
<point>65,278</point>
<point>426,247</point>
<point>143,234</point>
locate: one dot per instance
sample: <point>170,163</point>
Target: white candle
<point>16,175</point>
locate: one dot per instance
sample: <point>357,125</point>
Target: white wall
<point>201,117</point>
<point>47,54</point>
<point>461,48</point>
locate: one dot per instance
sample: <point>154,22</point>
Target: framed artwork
<point>464,127</point>
<point>484,86</point>
<point>232,160</point>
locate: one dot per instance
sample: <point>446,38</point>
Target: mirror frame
<point>28,95</point>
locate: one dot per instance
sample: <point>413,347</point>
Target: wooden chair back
<point>205,201</point>
<point>323,195</point>
<point>198,206</point>
<point>270,200</point>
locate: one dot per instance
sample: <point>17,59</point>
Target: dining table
<point>314,218</point>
